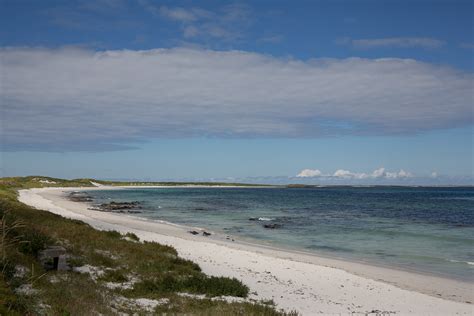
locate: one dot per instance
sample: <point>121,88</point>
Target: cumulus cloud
<point>380,173</point>
<point>423,42</point>
<point>398,175</point>
<point>346,174</point>
<point>71,98</point>
<point>309,173</point>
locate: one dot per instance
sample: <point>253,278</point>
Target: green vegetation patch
<point>194,283</point>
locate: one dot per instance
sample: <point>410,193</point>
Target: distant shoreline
<point>90,183</point>
<point>196,248</point>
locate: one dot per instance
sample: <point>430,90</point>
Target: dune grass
<point>41,181</point>
<point>116,269</point>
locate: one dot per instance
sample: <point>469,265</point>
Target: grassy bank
<point>110,272</point>
<point>40,181</point>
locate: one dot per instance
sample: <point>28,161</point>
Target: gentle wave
<point>262,219</point>
<point>458,261</point>
<point>465,198</point>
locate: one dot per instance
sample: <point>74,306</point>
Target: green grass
<point>157,270</point>
<point>116,276</point>
<point>40,182</point>
<point>194,284</point>
<point>132,236</point>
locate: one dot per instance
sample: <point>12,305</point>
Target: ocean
<point>428,230</point>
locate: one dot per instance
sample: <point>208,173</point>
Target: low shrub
<point>195,284</point>
<point>115,276</point>
<point>113,234</point>
<point>132,236</point>
<point>33,241</point>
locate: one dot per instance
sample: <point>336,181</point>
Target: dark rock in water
<point>77,196</point>
<point>199,209</point>
<point>193,232</point>
<point>253,219</point>
<point>204,233</point>
<point>120,207</point>
<point>272,226</point>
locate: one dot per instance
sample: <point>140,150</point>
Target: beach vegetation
<point>207,306</point>
<point>132,236</point>
<point>41,182</point>
<point>115,276</point>
<point>195,283</point>
<point>33,241</point>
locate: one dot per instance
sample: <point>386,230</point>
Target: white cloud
<point>404,174</point>
<point>341,173</point>
<point>379,173</point>
<point>398,175</point>
<point>309,173</point>
<point>423,42</point>
<point>382,173</point>
<point>184,15</point>
<point>346,174</point>
<point>75,98</point>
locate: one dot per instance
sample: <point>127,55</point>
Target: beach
<point>294,280</point>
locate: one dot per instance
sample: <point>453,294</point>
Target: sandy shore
<point>295,281</point>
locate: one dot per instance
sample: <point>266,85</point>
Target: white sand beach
<point>297,281</point>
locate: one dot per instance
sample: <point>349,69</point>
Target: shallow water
<point>425,229</point>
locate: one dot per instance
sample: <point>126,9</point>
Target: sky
<point>317,92</point>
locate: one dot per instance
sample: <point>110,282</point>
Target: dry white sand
<point>295,281</point>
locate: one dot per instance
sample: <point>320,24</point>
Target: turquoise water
<point>424,229</point>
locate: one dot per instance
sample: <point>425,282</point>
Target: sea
<point>422,229</point>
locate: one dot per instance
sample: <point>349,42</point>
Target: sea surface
<point>429,230</point>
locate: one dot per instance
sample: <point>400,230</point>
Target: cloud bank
<point>309,173</point>
<point>380,173</point>
<point>76,99</point>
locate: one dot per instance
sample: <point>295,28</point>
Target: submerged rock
<point>119,207</point>
<point>77,196</point>
<point>272,226</point>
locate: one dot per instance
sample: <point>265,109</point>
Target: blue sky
<point>262,91</point>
